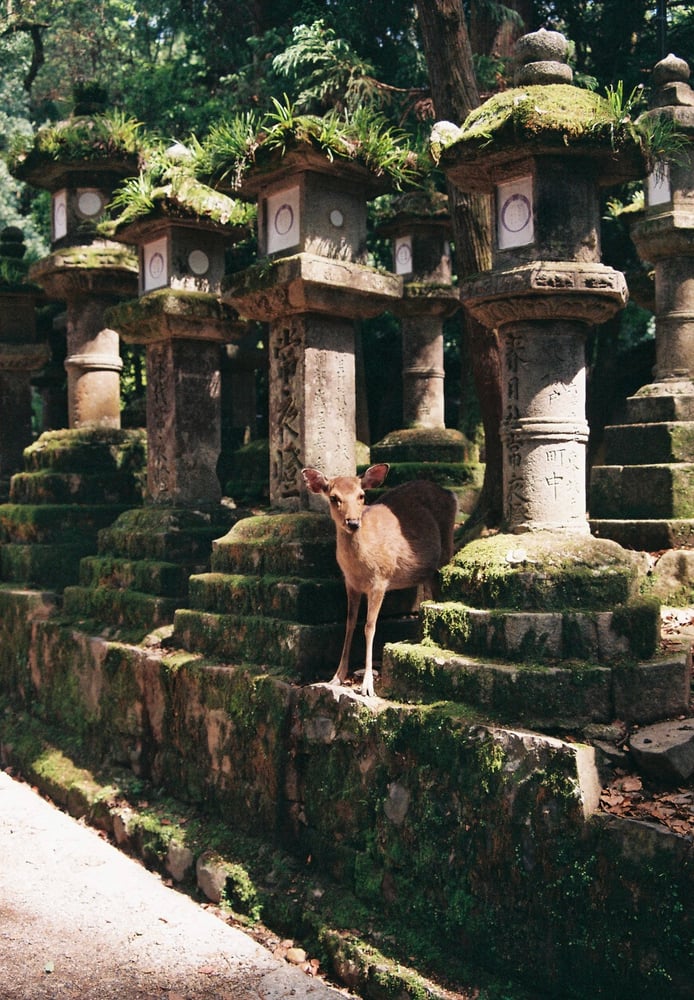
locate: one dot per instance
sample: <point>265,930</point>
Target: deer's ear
<point>315,480</point>
<point>375,476</point>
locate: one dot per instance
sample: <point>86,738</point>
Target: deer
<point>400,541</point>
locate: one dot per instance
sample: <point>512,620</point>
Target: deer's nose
<point>352,523</point>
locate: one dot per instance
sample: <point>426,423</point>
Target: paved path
<point>78,919</point>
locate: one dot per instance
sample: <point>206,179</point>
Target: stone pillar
<point>89,280</point>
<point>312,225</point>
<point>419,231</point>
<point>86,272</point>
<point>663,238</point>
<point>21,354</point>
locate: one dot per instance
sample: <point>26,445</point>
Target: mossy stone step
<point>127,609</point>
<point>632,630</point>
<point>565,695</point>
<point>51,565</point>
<point>310,650</point>
<point>649,444</point>
<point>42,523</point>
<point>541,571</point>
<point>642,491</point>
<point>294,598</point>
<point>646,534</point>
<point>166,534</point>
<point>146,575</point>
<point>100,449</point>
<point>301,544</point>
<point>48,487</point>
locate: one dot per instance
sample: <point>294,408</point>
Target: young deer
<point>400,541</point>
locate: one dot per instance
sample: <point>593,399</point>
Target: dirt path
<point>78,919</point>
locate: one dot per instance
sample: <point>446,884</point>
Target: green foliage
<point>324,71</point>
<point>364,136</point>
<point>111,135</point>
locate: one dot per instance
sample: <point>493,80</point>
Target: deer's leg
<point>375,600</point>
<point>353,602</point>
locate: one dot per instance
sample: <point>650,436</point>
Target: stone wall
<point>478,838</point>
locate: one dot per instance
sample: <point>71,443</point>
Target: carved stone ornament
<point>589,293</point>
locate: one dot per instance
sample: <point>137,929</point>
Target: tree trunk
<point>454,93</point>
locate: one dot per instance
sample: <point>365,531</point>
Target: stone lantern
<point>642,495</point>
<point>544,592</point>
<point>543,169</point>
<point>86,272</point>
<point>419,232</point>
<point>312,227</point>
<point>181,244</point>
<point>21,353</point>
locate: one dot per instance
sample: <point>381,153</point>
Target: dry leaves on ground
<point>627,796</point>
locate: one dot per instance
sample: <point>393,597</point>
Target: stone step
<point>654,404</point>
<point>647,534</point>
<point>294,598</point>
<point>148,576</point>
<point>632,630</point>
<point>301,544</point>
<point>49,565</point>
<point>127,609</point>
<point>567,695</point>
<point>49,487</point>
<point>649,444</point>
<point>310,650</point>
<point>652,492</point>
<point>43,523</point>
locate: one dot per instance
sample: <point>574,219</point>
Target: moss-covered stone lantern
<point>544,599</point>
<point>420,230</point>
<point>80,161</point>
<point>313,286</point>
<point>181,240</point>
<point>542,151</point>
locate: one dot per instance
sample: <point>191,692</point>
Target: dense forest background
<point>179,66</point>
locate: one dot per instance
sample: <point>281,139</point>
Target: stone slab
<point>665,750</point>
<point>646,534</point>
<point>642,491</point>
<point>649,443</point>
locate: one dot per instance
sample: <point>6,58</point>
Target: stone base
<point>541,571</point>
<point>423,444</point>
<point>140,575</point>
<point>662,401</point>
<point>649,443</point>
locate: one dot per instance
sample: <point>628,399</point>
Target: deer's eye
<point>362,496</point>
<point>334,500</point>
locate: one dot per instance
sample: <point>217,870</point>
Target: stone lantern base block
<point>672,399</point>
<point>140,574</point>
<point>646,534</point>
<point>649,443</point>
<point>542,571</point>
<point>636,492</point>
<point>275,596</point>
<point>548,630</point>
<point>422,444</point>
<point>75,483</point>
